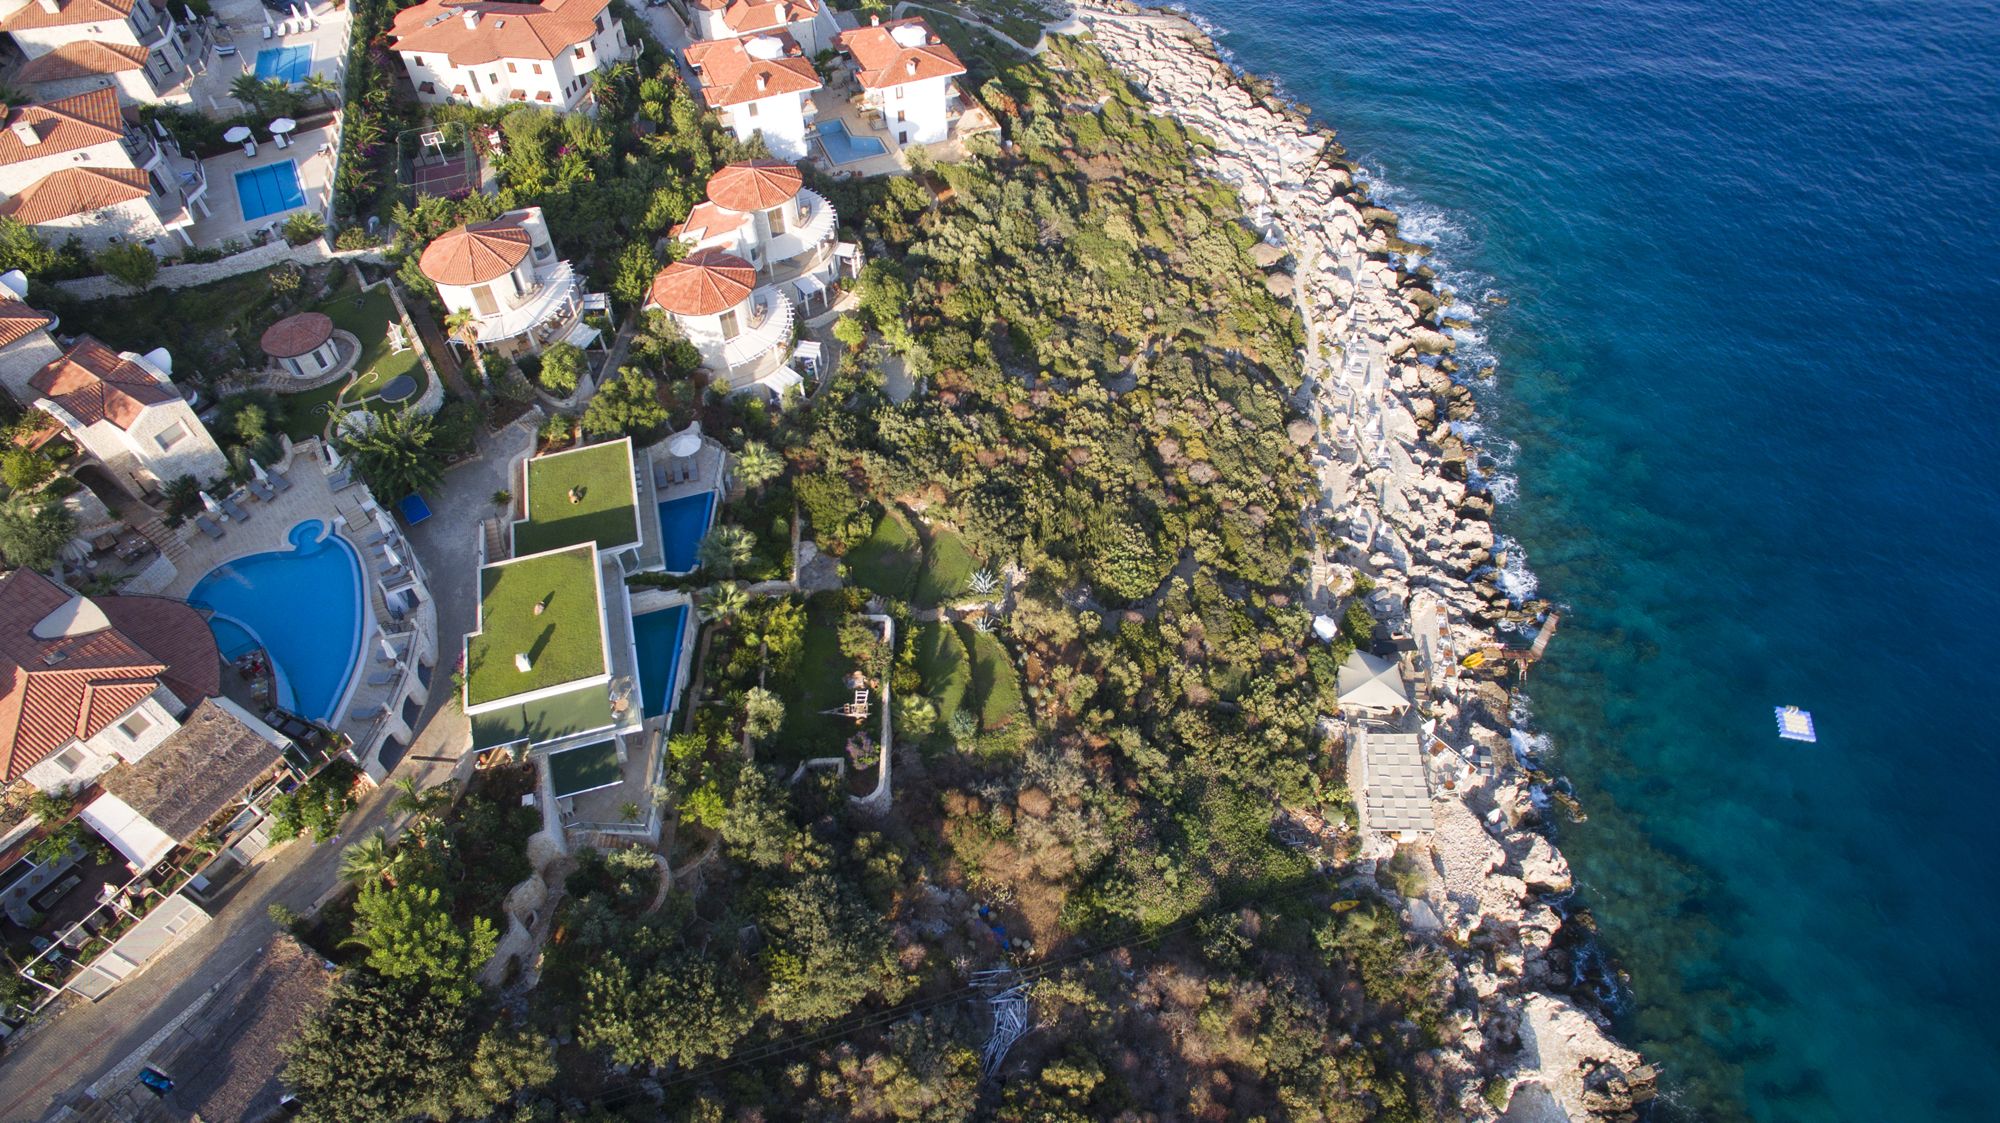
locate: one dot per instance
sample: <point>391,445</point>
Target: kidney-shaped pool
<point>302,606</point>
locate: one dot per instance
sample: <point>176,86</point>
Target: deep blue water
<point>302,605</point>
<point>658,637</point>
<point>1746,394</point>
<point>683,524</point>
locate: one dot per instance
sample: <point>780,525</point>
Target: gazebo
<point>302,345</point>
<point>1371,683</point>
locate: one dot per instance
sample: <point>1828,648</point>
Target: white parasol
<point>237,134</point>
<point>214,508</point>
<point>257,470</point>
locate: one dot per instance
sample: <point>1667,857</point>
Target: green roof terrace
<point>586,494</point>
<point>543,611</point>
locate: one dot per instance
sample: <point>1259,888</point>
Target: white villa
<point>501,52</point>
<point>762,212</point>
<point>132,47</point>
<point>807,21</point>
<point>73,166</point>
<point>25,343</point>
<point>907,75</point>
<point>743,331</point>
<point>762,84</point>
<point>88,682</point>
<point>124,410</point>
<point>522,296</point>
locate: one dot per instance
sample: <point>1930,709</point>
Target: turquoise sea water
<point>1746,401</point>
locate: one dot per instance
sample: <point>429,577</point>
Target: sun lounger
<point>262,490</point>
<point>279,481</point>
<point>660,475</point>
<point>381,678</point>
<point>208,526</point>
<point>267,31</point>
<point>231,508</point>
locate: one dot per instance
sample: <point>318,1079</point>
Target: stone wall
<point>202,273</point>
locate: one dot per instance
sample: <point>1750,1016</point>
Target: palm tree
<point>370,859</point>
<point>394,451</point>
<point>321,87</point>
<point>420,801</point>
<point>757,465</point>
<point>460,324</point>
<point>723,601</point>
<point>251,91</point>
<point>726,549</point>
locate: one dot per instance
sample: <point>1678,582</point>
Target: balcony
<point>805,238</point>
<point>555,298</point>
<point>769,330</point>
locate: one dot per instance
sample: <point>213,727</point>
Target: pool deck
<point>241,23</point>
<point>311,149</point>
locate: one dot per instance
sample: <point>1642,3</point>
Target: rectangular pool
<point>683,524</point>
<point>843,147</point>
<point>271,189</point>
<point>659,636</point>
<point>290,63</point>
<point>575,771</point>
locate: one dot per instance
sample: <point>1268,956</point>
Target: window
<point>901,116</point>
<point>603,21</point>
<point>172,436</point>
<point>579,52</point>
<point>752,111</point>
<point>729,328</point>
<point>511,69</point>
<point>135,726</point>
<point>899,93</point>
<point>70,759</point>
<point>776,217</point>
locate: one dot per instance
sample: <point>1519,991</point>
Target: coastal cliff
<point>1404,509</point>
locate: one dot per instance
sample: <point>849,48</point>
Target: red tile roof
<point>174,633</point>
<point>745,17</point>
<point>72,191</point>
<point>82,58</point>
<point>504,30</point>
<point>296,335</point>
<point>476,253</point>
<point>32,14</point>
<point>18,321</point>
<point>883,61</point>
<point>93,383</point>
<point>68,688</point>
<point>755,185</point>
<point>707,220</point>
<point>731,73</point>
<point>63,125</point>
<point>704,283</point>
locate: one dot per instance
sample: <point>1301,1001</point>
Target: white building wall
<point>38,41</point>
<point>705,332</point>
<point>133,87</point>
<point>194,453</point>
<point>565,78</point>
<point>914,112</point>
<point>109,746</point>
<point>781,119</point>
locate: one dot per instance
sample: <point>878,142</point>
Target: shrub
<point>130,264</point>
<point>303,227</point>
<point>562,368</point>
<point>22,469</point>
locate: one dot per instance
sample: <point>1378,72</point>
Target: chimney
<point>52,7</point>
<point>912,64</point>
<point>763,81</point>
<point>25,131</point>
<point>471,18</point>
<point>874,19</point>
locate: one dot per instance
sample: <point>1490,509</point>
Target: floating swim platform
<point>1795,724</point>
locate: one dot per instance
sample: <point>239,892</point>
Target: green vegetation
<point>947,570</point>
<point>545,607</point>
<point>995,692</point>
<point>396,451</point>
<point>583,495</point>
<point>945,664</point>
<point>888,560</point>
<point>368,315</point>
<point>318,806</point>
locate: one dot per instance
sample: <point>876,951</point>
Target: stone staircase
<point>170,543</point>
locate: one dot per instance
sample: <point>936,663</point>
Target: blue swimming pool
<point>659,636</point>
<point>271,189</point>
<point>303,606</point>
<point>843,147</point>
<point>683,523</point>
<point>290,63</point>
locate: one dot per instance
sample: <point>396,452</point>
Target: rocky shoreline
<point>1403,506</point>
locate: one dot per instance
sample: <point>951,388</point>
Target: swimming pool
<point>290,63</point>
<point>271,189</point>
<point>683,523</point>
<point>290,602</point>
<point>659,636</point>
<point>843,147</point>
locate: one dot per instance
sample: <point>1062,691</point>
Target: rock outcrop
<point>1401,494</point>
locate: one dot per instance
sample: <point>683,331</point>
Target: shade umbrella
<point>389,555</point>
<point>388,649</point>
<point>208,502</point>
<point>257,470</point>
<point>281,130</point>
<point>237,134</point>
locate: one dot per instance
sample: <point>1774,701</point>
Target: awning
<point>807,287</point>
<point>846,249</point>
<point>135,836</point>
<point>581,334</point>
<point>1372,683</point>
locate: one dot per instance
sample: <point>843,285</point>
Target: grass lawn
<point>996,687</point>
<point>821,684</point>
<point>947,572</point>
<point>605,512</point>
<point>888,561</point>
<point>368,315</point>
<point>947,669</point>
<point>565,643</point>
<point>306,414</point>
